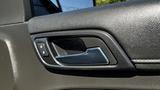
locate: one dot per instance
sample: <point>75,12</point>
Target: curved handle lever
<point>92,56</point>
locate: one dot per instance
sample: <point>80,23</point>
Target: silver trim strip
<point>139,61</point>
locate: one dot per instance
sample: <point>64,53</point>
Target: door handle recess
<point>96,50</point>
<point>92,56</point>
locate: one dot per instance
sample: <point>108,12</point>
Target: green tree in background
<point>103,2</point>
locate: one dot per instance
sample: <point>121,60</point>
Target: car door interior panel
<point>131,27</point>
<point>112,47</point>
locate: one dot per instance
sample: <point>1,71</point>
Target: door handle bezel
<point>124,64</point>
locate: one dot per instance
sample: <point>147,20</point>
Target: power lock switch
<point>42,49</point>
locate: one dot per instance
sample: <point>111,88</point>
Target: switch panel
<point>42,49</point>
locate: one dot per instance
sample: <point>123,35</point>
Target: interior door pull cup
<point>92,56</point>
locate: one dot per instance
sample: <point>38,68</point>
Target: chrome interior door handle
<point>92,56</point>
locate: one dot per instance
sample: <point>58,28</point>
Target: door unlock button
<point>42,49</point>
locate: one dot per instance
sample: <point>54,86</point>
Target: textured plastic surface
<point>135,25</point>
<point>14,11</point>
<point>29,74</point>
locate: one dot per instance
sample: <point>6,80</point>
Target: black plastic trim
<point>134,24</point>
<point>124,64</point>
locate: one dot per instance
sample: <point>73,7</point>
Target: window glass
<point>69,5</point>
<point>104,2</point>
<point>55,2</point>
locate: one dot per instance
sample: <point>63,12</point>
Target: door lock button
<point>42,49</point>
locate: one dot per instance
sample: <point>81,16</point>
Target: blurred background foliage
<point>103,2</point>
